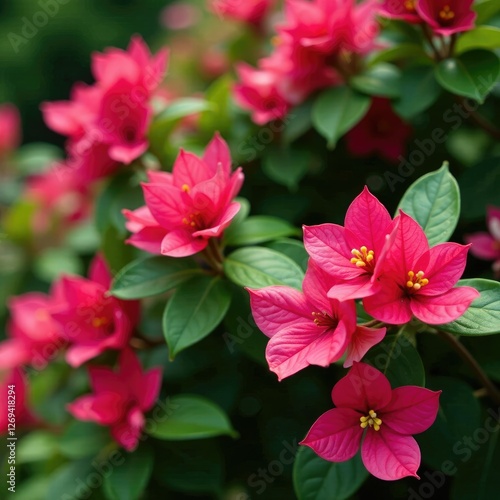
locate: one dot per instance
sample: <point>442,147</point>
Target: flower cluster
<point>107,123</point>
<point>444,17</point>
<point>186,208</point>
<point>317,46</point>
<point>252,11</point>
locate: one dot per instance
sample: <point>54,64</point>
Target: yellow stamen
<point>362,257</point>
<point>98,322</point>
<point>410,5</point>
<point>185,188</point>
<point>370,420</point>
<point>416,281</point>
<point>446,13</point>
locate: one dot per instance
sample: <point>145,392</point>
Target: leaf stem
<point>478,119</point>
<point>464,353</point>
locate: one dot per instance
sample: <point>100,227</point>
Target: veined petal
<point>412,409</point>
<point>482,246</point>
<point>446,264</point>
<point>364,388</point>
<point>356,288</point>
<point>217,153</point>
<point>439,309</point>
<point>316,285</point>
<point>221,223</point>
<point>389,455</point>
<point>148,239</point>
<point>336,435</point>
<point>361,342</point>
<point>275,308</point>
<point>390,304</point>
<point>127,154</point>
<point>165,203</point>
<point>181,243</point>
<point>189,170</point>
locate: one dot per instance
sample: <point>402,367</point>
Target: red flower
<point>447,17</point>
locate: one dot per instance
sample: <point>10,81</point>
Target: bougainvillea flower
<point>380,132</point>
<point>91,320</point>
<point>250,11</point>
<point>10,129</point>
<point>23,417</point>
<point>120,399</point>
<point>416,280</point>
<point>368,413</point>
<point>485,245</point>
<point>352,254</point>
<point>34,337</point>
<point>447,17</point>
<point>190,205</point>
<point>307,328</point>
<point>405,10</point>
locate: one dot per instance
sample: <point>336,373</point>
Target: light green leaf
<point>182,107</point>
<point>317,479</point>
<point>483,37</point>
<point>194,310</point>
<point>401,51</point>
<point>192,417</point>
<point>336,111</point>
<point>82,439</point>
<point>382,80</point>
<point>293,249</point>
<point>257,267</point>
<point>486,9</point>
<point>434,202</point>
<point>483,315</point>
<point>152,276</point>
<point>53,262</point>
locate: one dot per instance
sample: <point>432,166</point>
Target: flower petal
<point>189,170</point>
<point>412,409</point>
<point>316,285</point>
<point>181,243</point>
<point>148,239</point>
<point>361,342</point>
<point>389,304</point>
<point>165,203</point>
<point>364,388</point>
<point>151,385</point>
<point>389,455</point>
<point>483,246</point>
<point>336,435</point>
<point>217,153</point>
<point>221,223</point>
<point>439,309</point>
<point>275,308</point>
<point>356,288</point>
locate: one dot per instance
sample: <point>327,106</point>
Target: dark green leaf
<point>83,439</point>
<point>70,481</point>
<point>483,37</point>
<point>401,51</point>
<point>486,9</point>
<point>382,80</point>
<point>286,166</point>
<point>297,122</point>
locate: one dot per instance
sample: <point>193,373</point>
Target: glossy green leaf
<point>257,267</point>
<point>192,417</point>
<point>483,37</point>
<point>128,480</point>
<point>152,276</point>
<point>293,249</point>
<point>419,91</point>
<point>483,315</point>
<point>258,229</point>
<point>317,479</point>
<point>194,310</point>
<point>401,51</point>
<point>382,80</point>
<point>434,202</point>
<point>398,359</point>
<point>486,9</point>
<point>472,74</point>
<point>286,166</point>
<point>336,111</point>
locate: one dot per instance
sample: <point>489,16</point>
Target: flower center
<point>193,220</point>
<point>370,420</point>
<point>410,5</point>
<point>99,322</point>
<point>446,14</point>
<point>322,319</point>
<point>416,281</point>
<point>363,258</point>
<point>185,188</point>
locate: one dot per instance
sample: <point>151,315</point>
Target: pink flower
<point>307,328</point>
<point>249,11</point>
<point>352,255</point>
<point>91,320</point>
<point>10,129</point>
<point>405,10</point>
<point>381,420</point>
<point>418,280</point>
<point>187,207</point>
<point>486,246</point>
<point>380,132</point>
<point>14,381</point>
<point>120,399</point>
<point>447,17</point>
<point>34,337</point>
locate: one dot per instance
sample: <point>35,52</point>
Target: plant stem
<point>463,352</point>
<point>479,120</point>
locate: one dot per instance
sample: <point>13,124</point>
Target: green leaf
<point>193,417</point>
<point>483,315</point>
<point>483,37</point>
<point>298,122</point>
<point>36,446</point>
<point>317,479</point>
<point>56,261</point>
<point>434,202</point>
<point>152,276</point>
<point>398,359</point>
<point>401,51</point>
<point>36,157</point>
<point>381,80</point>
<point>486,9</point>
<point>286,166</point>
<point>218,116</point>
<point>458,416</point>
<point>116,252</point>
<point>129,479</point>
<point>34,488</point>
<point>480,182</point>
<point>183,107</point>
<point>82,439</point>
<point>472,74</point>
<point>70,481</point>
<point>293,249</point>
<point>258,229</point>
<point>257,267</point>
<point>336,111</point>
<point>419,91</point>
<point>194,310</point>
